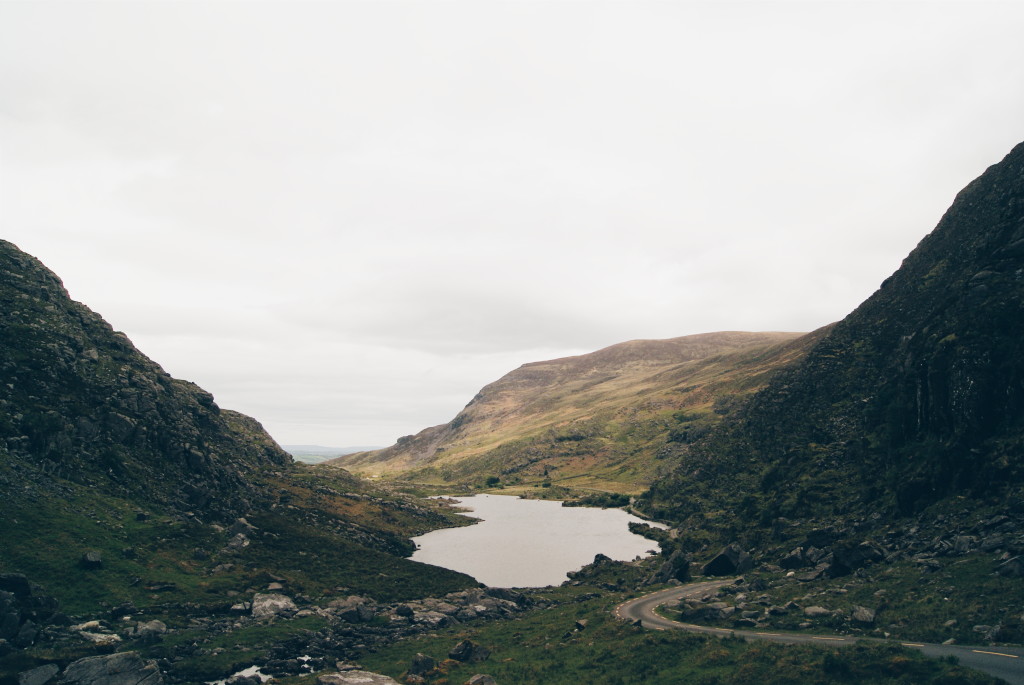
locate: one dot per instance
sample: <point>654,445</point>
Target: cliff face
<point>917,395</point>
<point>78,401</point>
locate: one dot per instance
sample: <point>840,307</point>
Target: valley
<point>863,481</point>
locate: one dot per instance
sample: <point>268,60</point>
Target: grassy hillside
<point>594,421</point>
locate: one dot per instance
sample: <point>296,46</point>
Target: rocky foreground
<point>354,624</point>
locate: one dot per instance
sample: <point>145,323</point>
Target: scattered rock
<point>469,652</point>
<point>39,675</point>
<point>422,664</point>
<point>481,679</point>
<point>355,678</point>
<point>272,605</point>
<point>732,559</point>
<point>91,560</point>
<point>863,615</point>
<point>123,668</point>
<point>816,612</point>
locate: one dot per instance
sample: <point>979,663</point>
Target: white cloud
<point>344,218</point>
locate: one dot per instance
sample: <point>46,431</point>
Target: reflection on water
<point>530,543</point>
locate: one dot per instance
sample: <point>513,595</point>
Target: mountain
<point>914,400</point>
<point>597,420</point>
<point>82,404</point>
<point>127,490</point>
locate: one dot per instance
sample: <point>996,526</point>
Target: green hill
<point>597,420</point>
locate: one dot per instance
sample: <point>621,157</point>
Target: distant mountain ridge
<point>591,418</point>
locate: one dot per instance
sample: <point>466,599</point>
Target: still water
<point>530,543</point>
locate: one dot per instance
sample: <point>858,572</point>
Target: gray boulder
<point>469,652</point>
<point>123,668</point>
<point>863,616</point>
<point>732,559</point>
<point>39,675</point>
<point>272,605</point>
<point>422,664</point>
<point>355,678</point>
<point>481,679</point>
<point>816,612</point>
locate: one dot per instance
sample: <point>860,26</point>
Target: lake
<point>530,543</point>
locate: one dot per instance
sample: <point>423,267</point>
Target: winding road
<point>1002,662</point>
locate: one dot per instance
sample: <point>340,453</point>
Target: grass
<point>911,602</point>
<point>546,647</point>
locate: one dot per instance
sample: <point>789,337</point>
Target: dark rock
<point>470,652</point>
<point>732,559</point>
<point>794,560</point>
<point>422,664</point>
<point>16,584</point>
<point>91,560</point>
<point>676,567</point>
<point>404,610</point>
<point>26,635</point>
<point>848,557</point>
<point>39,675</point>
<point>122,668</point>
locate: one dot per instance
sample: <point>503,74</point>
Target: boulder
<point>16,584</point>
<point>816,612</point>
<point>355,678</point>
<point>732,559</point>
<point>676,567</point>
<point>468,651</point>
<point>150,630</point>
<point>123,668</point>
<point>272,605</point>
<point>39,675</point>
<point>91,560</point>
<point>794,560</point>
<point>863,616</point>
<point>481,679</point>
<point>848,557</point>
<point>422,664</point>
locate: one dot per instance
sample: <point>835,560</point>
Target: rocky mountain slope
<point>595,420</point>
<point>130,495</point>
<point>916,399</point>
<point>82,404</point>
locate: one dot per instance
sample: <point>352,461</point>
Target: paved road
<point>1003,662</point>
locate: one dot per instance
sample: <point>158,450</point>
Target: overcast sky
<point>345,218</point>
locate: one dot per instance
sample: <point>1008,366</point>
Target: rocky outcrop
<point>24,611</point>
<point>80,402</point>
<point>123,668</point>
<point>264,606</point>
<point>731,560</point>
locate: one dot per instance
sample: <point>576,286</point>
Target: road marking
<point>817,637</point>
<point>912,644</point>
<point>979,651</point>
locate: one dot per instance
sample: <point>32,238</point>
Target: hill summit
<point>594,420</point>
